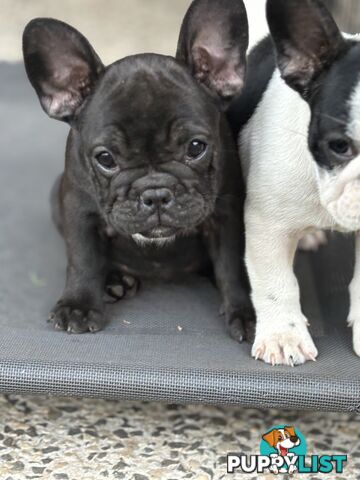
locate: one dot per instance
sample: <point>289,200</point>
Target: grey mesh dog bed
<point>168,343</point>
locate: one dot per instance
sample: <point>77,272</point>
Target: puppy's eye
<point>106,161</point>
<point>196,149</point>
<point>342,148</point>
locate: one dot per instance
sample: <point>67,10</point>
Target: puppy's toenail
<point>129,281</point>
<point>273,360</point>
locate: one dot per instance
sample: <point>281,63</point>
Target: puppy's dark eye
<point>196,149</point>
<point>342,148</point>
<point>106,161</point>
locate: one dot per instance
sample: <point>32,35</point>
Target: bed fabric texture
<point>168,343</point>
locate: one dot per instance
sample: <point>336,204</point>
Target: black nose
<point>157,198</point>
<point>294,439</point>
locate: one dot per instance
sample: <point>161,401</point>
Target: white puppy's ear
<point>306,38</point>
<point>213,42</point>
<point>61,66</point>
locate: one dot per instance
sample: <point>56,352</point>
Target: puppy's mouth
<point>157,236</point>
<point>340,195</point>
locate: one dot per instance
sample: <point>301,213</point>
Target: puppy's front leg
<point>282,337</point>
<point>354,315</point>
<point>226,246</point>
<point>81,307</point>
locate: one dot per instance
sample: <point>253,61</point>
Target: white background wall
<point>115,27</point>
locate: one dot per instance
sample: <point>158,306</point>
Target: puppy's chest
<point>280,171</point>
<point>182,256</point>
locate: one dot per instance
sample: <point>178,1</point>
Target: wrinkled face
<point>148,130</point>
<point>152,140</point>
<point>335,139</point>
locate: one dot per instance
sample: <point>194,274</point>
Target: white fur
<point>158,242</point>
<point>289,196</point>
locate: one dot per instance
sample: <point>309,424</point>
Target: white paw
<point>356,335</point>
<point>313,241</point>
<point>291,344</point>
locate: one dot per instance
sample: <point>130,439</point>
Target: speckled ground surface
<point>71,439</point>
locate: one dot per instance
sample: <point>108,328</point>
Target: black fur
<point>261,65</point>
<point>141,116</point>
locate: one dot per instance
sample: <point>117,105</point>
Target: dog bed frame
<point>168,343</point>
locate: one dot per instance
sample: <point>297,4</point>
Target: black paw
<point>76,319</point>
<point>241,325</point>
<point>120,286</point>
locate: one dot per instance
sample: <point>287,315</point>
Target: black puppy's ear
<point>213,41</point>
<point>306,37</point>
<point>61,66</point>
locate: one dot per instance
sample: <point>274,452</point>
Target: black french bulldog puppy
<point>151,187</point>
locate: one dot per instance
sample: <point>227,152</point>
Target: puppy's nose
<point>157,198</point>
<point>294,439</point>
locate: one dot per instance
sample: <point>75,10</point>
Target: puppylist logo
<point>283,450</point>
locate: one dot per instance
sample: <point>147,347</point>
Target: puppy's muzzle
<point>340,195</point>
<point>157,199</point>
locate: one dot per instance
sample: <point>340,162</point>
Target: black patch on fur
<point>261,66</point>
<point>330,104</point>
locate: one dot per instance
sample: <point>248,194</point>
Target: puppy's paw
<point>76,319</point>
<point>241,324</point>
<point>120,286</point>
<point>291,345</point>
<point>313,241</point>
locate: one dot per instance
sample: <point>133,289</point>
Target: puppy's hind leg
<point>312,242</point>
<point>120,286</point>
<point>282,336</point>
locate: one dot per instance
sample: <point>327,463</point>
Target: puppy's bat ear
<point>61,66</point>
<point>213,41</point>
<point>306,38</point>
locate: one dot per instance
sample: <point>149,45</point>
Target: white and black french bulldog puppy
<point>299,117</point>
<point>150,187</point>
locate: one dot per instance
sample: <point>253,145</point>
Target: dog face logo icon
<point>283,442</point>
<point>282,439</point>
